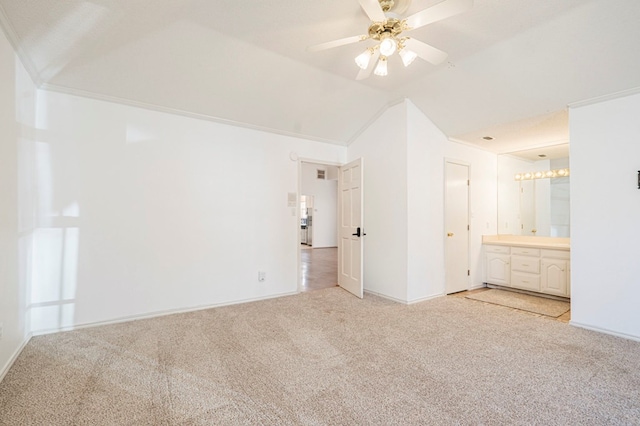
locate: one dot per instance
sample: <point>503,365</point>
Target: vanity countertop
<point>553,243</point>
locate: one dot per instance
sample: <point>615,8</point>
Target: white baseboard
<point>604,330</point>
<point>13,358</point>
<point>424,299</point>
<point>404,302</point>
<point>159,314</point>
<point>384,296</point>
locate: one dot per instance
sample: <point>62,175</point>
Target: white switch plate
<point>262,276</point>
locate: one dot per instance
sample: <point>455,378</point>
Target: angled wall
<point>404,156</point>
<point>605,206</point>
<point>17,108</point>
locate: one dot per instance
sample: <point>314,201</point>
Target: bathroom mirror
<point>537,204</point>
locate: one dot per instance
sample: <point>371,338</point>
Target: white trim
<point>159,314</point>
<point>609,97</point>
<point>384,296</point>
<point>14,357</point>
<point>424,299</point>
<point>373,119</point>
<point>175,111</point>
<point>604,331</point>
<point>404,302</point>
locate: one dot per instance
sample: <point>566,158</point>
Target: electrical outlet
<point>262,276</point>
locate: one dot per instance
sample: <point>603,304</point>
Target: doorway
<point>456,214</point>
<point>318,211</point>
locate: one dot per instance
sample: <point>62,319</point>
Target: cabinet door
<point>498,269</point>
<point>555,273</point>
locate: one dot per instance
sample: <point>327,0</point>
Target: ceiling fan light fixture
<point>362,60</point>
<point>381,68</point>
<point>407,56</point>
<point>388,46</point>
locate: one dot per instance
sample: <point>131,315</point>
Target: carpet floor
<point>536,304</point>
<point>326,357</point>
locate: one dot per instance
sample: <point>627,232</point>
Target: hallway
<point>318,267</point>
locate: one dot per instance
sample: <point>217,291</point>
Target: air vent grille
<point>321,174</point>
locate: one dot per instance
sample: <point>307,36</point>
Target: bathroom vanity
<point>537,264</point>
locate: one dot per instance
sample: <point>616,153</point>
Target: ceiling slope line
<point>13,38</point>
<point>603,98</point>
<point>373,119</point>
<point>180,112</point>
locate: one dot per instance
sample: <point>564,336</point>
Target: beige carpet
<point>539,305</point>
<point>327,358</point>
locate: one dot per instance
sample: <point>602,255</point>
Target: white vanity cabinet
<point>541,270</point>
<point>498,269</point>
<point>555,273</point>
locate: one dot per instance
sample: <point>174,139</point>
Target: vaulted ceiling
<point>513,65</point>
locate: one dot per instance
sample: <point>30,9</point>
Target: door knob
<point>449,234</point>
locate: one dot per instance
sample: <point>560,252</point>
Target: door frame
<point>444,218</point>
<point>297,229</point>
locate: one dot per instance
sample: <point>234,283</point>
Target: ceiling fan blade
<point>373,10</point>
<point>336,43</point>
<point>438,12</point>
<point>362,74</point>
<point>426,52</point>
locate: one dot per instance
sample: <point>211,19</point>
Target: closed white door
<point>350,228</point>
<point>456,227</point>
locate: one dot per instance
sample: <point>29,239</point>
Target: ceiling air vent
<point>321,174</point>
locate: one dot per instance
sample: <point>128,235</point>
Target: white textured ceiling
<point>513,65</point>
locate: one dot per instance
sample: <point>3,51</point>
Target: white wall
<point>404,203</point>
<point>428,148</point>
<point>143,212</point>
<point>325,203</point>
<point>383,146</point>
<point>605,212</point>
<point>17,102</point>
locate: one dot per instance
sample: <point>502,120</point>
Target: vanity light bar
<point>542,175</point>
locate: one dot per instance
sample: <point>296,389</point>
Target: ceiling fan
<point>387,28</point>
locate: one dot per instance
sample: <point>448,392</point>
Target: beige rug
<point>524,302</point>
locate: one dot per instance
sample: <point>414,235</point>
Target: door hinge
<point>468,182</point>
<point>468,229</point>
<point>468,272</point>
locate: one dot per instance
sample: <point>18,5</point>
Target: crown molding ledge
<point>175,111</point>
<point>604,98</point>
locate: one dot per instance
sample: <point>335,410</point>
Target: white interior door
<point>350,228</point>
<point>456,212</point>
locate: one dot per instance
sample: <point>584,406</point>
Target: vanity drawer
<point>556,254</point>
<point>525,251</point>
<point>525,264</point>
<point>497,249</point>
<point>525,281</point>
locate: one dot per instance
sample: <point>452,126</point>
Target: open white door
<point>350,228</point>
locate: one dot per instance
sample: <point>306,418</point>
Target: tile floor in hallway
<point>319,267</point>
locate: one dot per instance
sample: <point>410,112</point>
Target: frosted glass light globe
<point>388,46</point>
